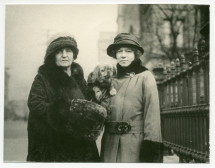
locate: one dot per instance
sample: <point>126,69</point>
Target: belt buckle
<point>123,127</point>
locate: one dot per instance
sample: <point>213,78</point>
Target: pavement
<point>16,144</point>
<point>171,159</point>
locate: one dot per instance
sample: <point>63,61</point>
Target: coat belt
<point>121,127</point>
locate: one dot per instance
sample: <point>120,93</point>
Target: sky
<point>28,28</point>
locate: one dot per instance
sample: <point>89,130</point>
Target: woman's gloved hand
<point>151,152</point>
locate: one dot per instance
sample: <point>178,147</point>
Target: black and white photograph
<point>121,82</point>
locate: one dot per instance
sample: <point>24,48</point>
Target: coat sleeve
<point>38,99</point>
<point>152,126</point>
<point>151,150</point>
<point>43,109</point>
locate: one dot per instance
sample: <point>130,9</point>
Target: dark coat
<point>48,137</point>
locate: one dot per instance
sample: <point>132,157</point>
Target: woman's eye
<point>68,50</point>
<point>128,50</point>
<point>59,52</point>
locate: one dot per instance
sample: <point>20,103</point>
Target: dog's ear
<point>96,74</point>
<point>114,70</point>
<point>89,78</point>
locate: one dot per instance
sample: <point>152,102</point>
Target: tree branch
<point>162,45</point>
<point>163,11</point>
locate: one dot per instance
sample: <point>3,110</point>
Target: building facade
<point>165,31</point>
<point>105,39</point>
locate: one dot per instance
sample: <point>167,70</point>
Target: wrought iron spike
<point>172,68</point>
<point>172,65</point>
<point>182,58</point>
<point>168,68</point>
<point>165,72</point>
<point>178,68</point>
<point>195,56</point>
<point>183,63</point>
<point>202,46</point>
<point>160,65</point>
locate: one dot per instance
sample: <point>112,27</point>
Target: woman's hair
<point>137,52</point>
<point>50,61</point>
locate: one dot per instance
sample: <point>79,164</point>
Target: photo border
<point>104,165</point>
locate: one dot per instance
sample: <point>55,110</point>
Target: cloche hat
<point>62,42</point>
<point>124,39</point>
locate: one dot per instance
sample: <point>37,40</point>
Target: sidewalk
<point>15,143</point>
<point>171,159</point>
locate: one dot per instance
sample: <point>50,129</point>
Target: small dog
<point>99,84</point>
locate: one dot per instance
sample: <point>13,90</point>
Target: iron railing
<point>184,101</point>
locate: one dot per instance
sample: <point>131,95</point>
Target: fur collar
<point>59,79</point>
<point>135,67</point>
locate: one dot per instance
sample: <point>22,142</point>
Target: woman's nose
<point>64,54</point>
<point>123,54</point>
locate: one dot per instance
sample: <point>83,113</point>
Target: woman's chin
<point>124,65</point>
<point>65,65</point>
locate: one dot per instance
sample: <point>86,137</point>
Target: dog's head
<point>99,81</point>
<point>103,73</point>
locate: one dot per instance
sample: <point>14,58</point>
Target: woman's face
<point>125,56</point>
<point>64,57</point>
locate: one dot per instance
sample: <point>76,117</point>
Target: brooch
<point>113,91</point>
<point>132,74</point>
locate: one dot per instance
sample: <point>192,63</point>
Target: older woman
<point>133,132</point>
<point>50,131</point>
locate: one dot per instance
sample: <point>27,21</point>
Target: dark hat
<point>60,43</point>
<point>124,39</point>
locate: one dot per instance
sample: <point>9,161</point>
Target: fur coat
<point>48,137</point>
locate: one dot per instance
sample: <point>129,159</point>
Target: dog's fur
<point>100,78</point>
<point>103,73</point>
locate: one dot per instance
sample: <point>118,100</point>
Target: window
<point>166,33</point>
<point>180,39</point>
<point>167,36</point>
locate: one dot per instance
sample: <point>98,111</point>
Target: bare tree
<point>177,17</point>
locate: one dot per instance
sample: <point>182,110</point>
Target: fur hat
<point>59,43</point>
<point>124,39</point>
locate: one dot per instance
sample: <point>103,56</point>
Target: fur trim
<point>61,82</point>
<point>135,66</point>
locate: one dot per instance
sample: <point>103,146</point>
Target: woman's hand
<point>98,93</point>
<point>151,152</point>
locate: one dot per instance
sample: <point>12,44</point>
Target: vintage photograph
<point>107,83</point>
